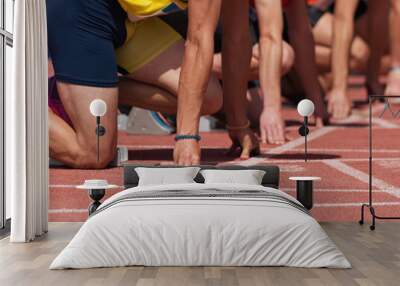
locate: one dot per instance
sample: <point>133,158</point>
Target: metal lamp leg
<point>96,196</point>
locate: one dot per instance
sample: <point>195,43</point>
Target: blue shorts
<point>82,38</point>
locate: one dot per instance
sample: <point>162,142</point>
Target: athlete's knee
<point>87,157</point>
<point>360,51</point>
<point>288,58</point>
<point>212,102</point>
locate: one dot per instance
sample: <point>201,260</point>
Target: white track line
<point>363,177</point>
<point>288,146</point>
<point>366,150</point>
<point>384,123</point>
<point>323,205</point>
<point>291,190</point>
<point>70,186</point>
<point>282,189</point>
<point>300,141</point>
<point>57,211</point>
<point>335,205</point>
<point>311,161</point>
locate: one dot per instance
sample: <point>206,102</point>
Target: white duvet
<point>207,230</point>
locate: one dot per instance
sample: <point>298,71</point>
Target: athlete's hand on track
<point>272,126</point>
<point>339,105</point>
<point>246,140</point>
<point>187,153</point>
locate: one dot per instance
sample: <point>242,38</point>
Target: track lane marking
<point>334,205</point>
<point>363,177</point>
<point>286,147</point>
<point>323,205</point>
<point>364,150</point>
<point>330,190</point>
<point>72,186</point>
<point>311,161</point>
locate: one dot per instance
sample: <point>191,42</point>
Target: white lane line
<point>291,190</point>
<point>363,177</point>
<point>288,146</point>
<point>147,147</point>
<point>69,186</point>
<point>377,122</point>
<point>63,186</point>
<point>384,123</point>
<point>323,205</point>
<point>366,150</point>
<point>57,211</point>
<point>282,189</point>
<point>291,161</point>
<point>300,141</point>
<point>335,205</point>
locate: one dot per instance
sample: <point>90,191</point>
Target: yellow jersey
<point>139,9</point>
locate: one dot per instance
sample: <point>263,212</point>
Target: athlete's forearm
<point>377,25</point>
<point>342,36</point>
<point>302,41</point>
<point>395,33</point>
<point>236,53</point>
<point>217,67</point>
<point>271,26</point>
<point>197,63</point>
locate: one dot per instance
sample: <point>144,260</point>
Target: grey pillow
<point>247,177</point>
<point>163,176</point>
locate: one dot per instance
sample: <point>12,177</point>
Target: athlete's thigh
<point>323,30</point>
<point>76,100</point>
<point>164,70</point>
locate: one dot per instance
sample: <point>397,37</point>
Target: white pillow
<point>164,176</point>
<point>247,177</point>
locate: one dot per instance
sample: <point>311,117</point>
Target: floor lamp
<point>98,108</point>
<point>305,108</point>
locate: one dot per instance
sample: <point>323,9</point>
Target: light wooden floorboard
<point>375,257</point>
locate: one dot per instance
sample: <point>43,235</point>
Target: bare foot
<point>246,140</point>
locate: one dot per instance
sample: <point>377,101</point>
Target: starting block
<point>121,157</point>
<point>142,121</point>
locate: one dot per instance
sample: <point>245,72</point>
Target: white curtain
<point>26,124</point>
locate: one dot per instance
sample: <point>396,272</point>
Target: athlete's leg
<point>147,96</point>
<point>377,42</point>
<point>359,51</point>
<point>82,53</point>
<point>163,72</point>
<point>77,146</point>
<point>152,58</point>
<point>287,61</point>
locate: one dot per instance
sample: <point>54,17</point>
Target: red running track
<point>339,154</point>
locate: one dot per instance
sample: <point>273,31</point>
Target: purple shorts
<point>55,103</point>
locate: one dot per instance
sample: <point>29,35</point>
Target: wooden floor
<point>375,257</point>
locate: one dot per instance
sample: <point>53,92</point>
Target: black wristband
<point>187,137</point>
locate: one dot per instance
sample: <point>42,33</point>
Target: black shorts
<point>82,38</point>
<point>179,22</point>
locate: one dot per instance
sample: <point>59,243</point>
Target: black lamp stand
<point>304,193</point>
<point>369,205</point>
<point>100,131</point>
<point>96,195</point>
<point>303,131</point>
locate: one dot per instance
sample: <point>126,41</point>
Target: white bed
<point>201,225</point>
